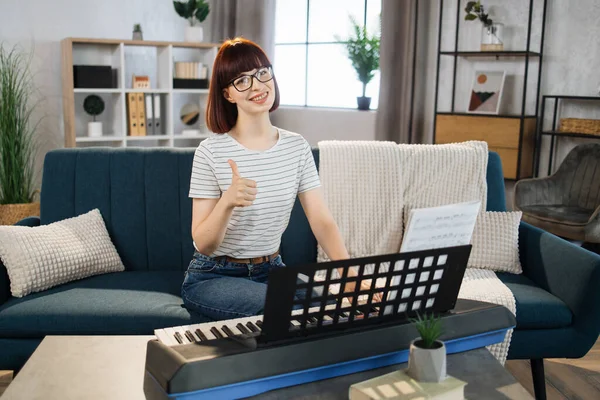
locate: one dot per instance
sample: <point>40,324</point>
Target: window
<point>311,68</point>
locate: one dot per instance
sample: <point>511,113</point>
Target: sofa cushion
<point>42,257</point>
<point>536,308</point>
<point>496,242</point>
<point>123,303</point>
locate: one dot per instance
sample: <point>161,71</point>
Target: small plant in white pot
<point>195,11</point>
<point>94,105</point>
<point>427,355</point>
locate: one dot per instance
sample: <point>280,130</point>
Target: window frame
<point>306,45</point>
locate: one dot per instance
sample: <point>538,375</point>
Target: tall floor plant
<point>17,146</point>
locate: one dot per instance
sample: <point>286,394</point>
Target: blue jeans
<point>220,289</point>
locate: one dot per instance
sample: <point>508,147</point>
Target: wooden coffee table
<point>112,367</point>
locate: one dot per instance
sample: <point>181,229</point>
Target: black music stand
<point>425,281</point>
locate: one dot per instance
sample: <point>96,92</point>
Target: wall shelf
<point>554,133</point>
<point>132,57</point>
<point>523,53</point>
<point>513,135</point>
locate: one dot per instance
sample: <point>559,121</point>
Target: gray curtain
<point>252,19</point>
<point>396,67</point>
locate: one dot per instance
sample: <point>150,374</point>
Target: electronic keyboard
<point>238,327</point>
<point>300,340</point>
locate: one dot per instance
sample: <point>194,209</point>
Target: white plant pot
<point>194,33</point>
<point>427,365</point>
<point>94,129</point>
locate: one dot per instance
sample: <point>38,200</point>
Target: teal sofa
<point>142,195</point>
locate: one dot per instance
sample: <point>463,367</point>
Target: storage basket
<point>13,213</point>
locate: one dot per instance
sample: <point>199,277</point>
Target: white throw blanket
<point>362,186</point>
<point>484,285</point>
<point>371,186</point>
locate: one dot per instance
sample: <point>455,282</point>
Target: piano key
<point>184,336</point>
<point>171,333</point>
<point>163,337</point>
<point>179,338</point>
<point>201,335</point>
<point>252,327</point>
<point>259,323</point>
<point>215,331</point>
<point>227,331</point>
<point>191,336</point>
<point>242,328</point>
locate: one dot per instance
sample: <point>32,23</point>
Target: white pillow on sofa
<point>496,242</point>
<point>41,257</point>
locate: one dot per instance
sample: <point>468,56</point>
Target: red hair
<point>235,56</point>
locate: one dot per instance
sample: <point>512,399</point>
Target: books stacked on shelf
<point>190,75</point>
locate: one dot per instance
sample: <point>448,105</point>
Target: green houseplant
<point>137,32</point>
<point>195,12</point>
<point>17,140</point>
<point>427,354</point>
<point>94,105</point>
<point>363,51</point>
<point>491,31</point>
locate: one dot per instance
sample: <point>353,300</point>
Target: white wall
<point>40,25</point>
<point>317,124</point>
<point>570,64</point>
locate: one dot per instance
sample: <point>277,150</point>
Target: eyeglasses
<point>245,82</point>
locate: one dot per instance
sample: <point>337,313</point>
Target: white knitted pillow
<point>496,242</point>
<point>41,257</point>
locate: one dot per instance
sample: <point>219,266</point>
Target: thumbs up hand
<point>242,191</point>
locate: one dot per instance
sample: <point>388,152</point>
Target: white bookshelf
<point>128,57</point>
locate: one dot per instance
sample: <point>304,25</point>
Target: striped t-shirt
<point>281,172</point>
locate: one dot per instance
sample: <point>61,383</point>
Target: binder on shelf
<point>156,116</point>
<point>150,114</point>
<point>141,109</point>
<point>132,115</point>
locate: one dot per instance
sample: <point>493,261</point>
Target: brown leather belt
<point>254,260</point>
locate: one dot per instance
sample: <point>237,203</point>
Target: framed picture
<point>486,92</point>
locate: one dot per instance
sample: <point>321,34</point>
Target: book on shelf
<point>399,386</point>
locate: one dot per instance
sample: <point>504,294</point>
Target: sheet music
<point>443,226</point>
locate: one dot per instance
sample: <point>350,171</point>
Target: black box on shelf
<point>180,83</point>
<point>94,76</point>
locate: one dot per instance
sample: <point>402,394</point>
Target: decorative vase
<point>94,129</point>
<point>194,33</point>
<point>364,103</point>
<point>492,37</point>
<point>427,365</point>
<point>10,214</point>
<point>137,35</point>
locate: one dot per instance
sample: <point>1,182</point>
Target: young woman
<point>244,182</point>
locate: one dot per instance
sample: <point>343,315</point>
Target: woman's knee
<point>225,298</point>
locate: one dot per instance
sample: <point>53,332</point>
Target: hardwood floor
<point>565,378</point>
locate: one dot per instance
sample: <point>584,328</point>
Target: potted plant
<point>491,32</point>
<point>17,138</point>
<point>137,32</point>
<point>427,354</point>
<point>195,11</point>
<point>363,52</point>
<point>94,105</point>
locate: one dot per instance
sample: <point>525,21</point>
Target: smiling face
<point>252,91</point>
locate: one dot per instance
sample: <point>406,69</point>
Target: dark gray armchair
<point>566,203</point>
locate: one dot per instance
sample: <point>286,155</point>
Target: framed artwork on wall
<point>486,92</point>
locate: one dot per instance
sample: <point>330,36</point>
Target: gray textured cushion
<point>38,258</point>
